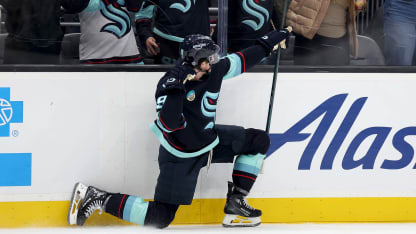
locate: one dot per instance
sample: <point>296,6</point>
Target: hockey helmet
<point>196,47</point>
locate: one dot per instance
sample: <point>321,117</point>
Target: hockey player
<point>106,32</point>
<point>162,25</point>
<point>186,99</point>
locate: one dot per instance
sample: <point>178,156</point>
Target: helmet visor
<point>215,57</point>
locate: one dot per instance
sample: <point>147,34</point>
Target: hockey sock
<point>130,208</point>
<point>246,169</point>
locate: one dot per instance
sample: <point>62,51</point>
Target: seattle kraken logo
<point>184,8</point>
<point>120,25</point>
<point>208,107</point>
<point>256,11</point>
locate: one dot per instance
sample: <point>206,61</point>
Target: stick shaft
<point>275,73</point>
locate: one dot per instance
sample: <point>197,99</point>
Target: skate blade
<point>240,221</point>
<point>77,195</point>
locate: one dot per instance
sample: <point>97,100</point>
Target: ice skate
<point>237,212</point>
<point>85,200</point>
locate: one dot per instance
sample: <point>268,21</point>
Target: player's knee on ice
<point>256,141</point>
<point>160,214</point>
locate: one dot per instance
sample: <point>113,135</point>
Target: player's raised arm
<point>247,58</point>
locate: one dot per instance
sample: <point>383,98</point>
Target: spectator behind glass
<point>34,31</point>
<point>400,32</point>
<point>173,20</point>
<point>106,33</point>
<point>247,21</point>
<point>325,31</point>
<point>279,6</point>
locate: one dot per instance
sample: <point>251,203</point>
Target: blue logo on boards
<point>10,112</point>
<point>326,112</point>
<point>15,168</point>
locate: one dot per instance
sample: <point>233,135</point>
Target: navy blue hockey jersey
<point>173,19</point>
<point>247,21</point>
<point>186,114</point>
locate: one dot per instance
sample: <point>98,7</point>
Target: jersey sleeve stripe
<point>167,138</point>
<point>165,127</point>
<point>160,125</point>
<point>235,66</point>
<point>243,59</point>
<point>145,13</point>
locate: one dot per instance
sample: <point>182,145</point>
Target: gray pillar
<point>222,26</point>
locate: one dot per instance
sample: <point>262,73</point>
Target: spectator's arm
<point>360,5</point>
<point>144,21</point>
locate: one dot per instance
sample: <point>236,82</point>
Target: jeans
<point>399,43</point>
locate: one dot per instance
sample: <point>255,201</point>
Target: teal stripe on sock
<point>135,210</point>
<point>246,168</point>
<point>252,160</point>
<point>127,208</point>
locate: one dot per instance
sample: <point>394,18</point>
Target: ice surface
<point>357,228</point>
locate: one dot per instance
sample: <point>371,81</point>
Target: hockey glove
<point>172,83</point>
<point>177,77</point>
<point>274,39</point>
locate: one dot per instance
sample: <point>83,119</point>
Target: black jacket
<point>37,21</point>
<point>247,21</point>
<point>33,21</point>
<point>176,18</point>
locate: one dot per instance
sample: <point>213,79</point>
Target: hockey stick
<point>276,71</point>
